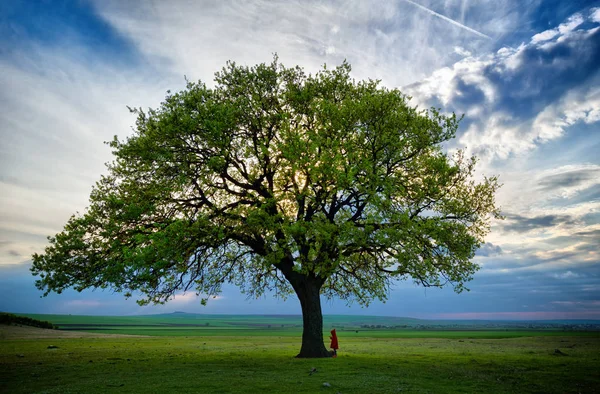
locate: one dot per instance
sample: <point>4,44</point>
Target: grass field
<point>297,332</point>
<point>234,362</point>
<point>184,324</point>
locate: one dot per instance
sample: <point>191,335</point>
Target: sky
<point>525,74</point>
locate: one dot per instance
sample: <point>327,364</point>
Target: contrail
<point>448,19</point>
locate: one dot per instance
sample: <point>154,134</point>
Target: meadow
<point>249,359</point>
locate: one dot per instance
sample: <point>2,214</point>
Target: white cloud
<point>595,14</point>
<point>566,275</point>
<point>397,42</point>
<point>580,105</point>
<point>569,25</point>
<point>462,51</point>
<point>53,140</point>
<point>498,140</point>
<point>544,36</point>
<point>567,181</point>
<point>542,205</point>
<point>181,299</point>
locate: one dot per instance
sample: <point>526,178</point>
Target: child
<point>334,343</point>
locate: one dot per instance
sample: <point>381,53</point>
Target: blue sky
<point>525,74</point>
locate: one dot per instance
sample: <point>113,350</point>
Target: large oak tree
<point>276,180</point>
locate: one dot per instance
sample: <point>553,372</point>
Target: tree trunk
<point>308,292</point>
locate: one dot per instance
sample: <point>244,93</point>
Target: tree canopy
<point>277,180</point>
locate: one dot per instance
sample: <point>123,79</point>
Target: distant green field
<point>183,324</point>
<point>265,364</point>
<point>224,320</point>
<point>297,332</point>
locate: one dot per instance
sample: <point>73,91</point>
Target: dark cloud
<point>14,253</point>
<point>575,252</point>
<point>567,290</point>
<point>579,254</point>
<point>466,94</point>
<point>590,233</point>
<point>505,291</point>
<point>522,224</point>
<point>545,73</point>
<point>569,179</point>
<point>570,280</point>
<point>488,249</point>
<point>576,248</point>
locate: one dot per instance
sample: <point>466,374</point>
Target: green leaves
<point>271,176</point>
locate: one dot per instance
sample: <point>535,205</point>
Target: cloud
<point>595,14</point>
<point>522,224</point>
<point>563,28</point>
<point>588,304</point>
<point>53,134</point>
<point>568,181</point>
<point>519,98</point>
<point>566,275</point>
<point>550,245</point>
<point>488,249</point>
<point>577,105</point>
<point>445,18</point>
<point>592,233</point>
<point>553,216</point>
<point>569,178</point>
<point>191,298</point>
<point>519,315</point>
<point>397,42</point>
<point>462,51</point>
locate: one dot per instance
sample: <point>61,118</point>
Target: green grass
<point>248,354</point>
<point>251,364</point>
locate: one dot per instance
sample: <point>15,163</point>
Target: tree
<point>275,180</point>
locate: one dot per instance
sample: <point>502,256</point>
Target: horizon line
<point>445,317</point>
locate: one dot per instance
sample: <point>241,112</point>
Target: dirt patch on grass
<point>27,332</point>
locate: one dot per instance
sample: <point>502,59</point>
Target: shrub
<point>9,318</point>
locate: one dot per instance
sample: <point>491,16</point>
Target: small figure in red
<point>334,343</point>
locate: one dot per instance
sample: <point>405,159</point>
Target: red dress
<point>334,341</point>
